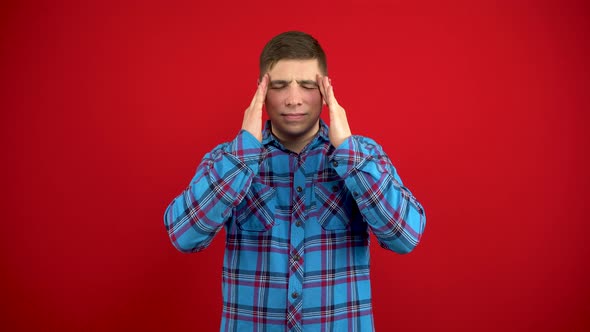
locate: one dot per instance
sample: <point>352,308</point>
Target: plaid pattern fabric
<point>297,246</point>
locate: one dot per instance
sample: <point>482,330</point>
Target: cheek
<point>272,99</point>
<point>314,97</point>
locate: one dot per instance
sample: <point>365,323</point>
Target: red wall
<point>107,108</point>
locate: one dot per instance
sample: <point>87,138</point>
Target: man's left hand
<point>339,130</point>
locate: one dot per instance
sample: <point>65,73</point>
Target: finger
<point>253,101</point>
<point>322,87</point>
<point>331,96</point>
<point>327,95</point>
<point>261,91</point>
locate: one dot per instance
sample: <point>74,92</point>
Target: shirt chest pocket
<point>333,206</point>
<point>257,211</point>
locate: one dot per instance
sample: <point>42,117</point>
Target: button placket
<point>296,241</point>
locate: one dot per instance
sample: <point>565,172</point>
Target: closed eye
<point>308,84</point>
<point>278,84</point>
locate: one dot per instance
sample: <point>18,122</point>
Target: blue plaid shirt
<point>297,226</point>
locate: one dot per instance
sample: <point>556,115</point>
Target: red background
<point>107,108</point>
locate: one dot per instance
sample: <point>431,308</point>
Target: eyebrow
<point>280,82</point>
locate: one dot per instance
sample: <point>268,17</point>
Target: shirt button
<point>299,189</point>
<point>296,258</point>
<point>298,223</point>
<point>335,163</point>
<point>294,295</point>
<point>334,188</point>
<point>355,194</point>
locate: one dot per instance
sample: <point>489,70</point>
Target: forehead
<point>295,69</point>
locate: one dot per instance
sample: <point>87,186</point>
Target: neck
<point>297,143</point>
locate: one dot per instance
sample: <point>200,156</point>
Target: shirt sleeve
<point>394,215</point>
<point>221,181</point>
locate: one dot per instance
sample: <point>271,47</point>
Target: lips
<point>293,116</point>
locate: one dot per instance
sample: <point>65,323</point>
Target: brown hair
<point>293,45</point>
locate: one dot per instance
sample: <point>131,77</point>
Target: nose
<point>294,96</point>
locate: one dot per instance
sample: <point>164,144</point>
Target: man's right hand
<point>253,115</point>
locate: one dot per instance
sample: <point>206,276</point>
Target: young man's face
<point>293,101</point>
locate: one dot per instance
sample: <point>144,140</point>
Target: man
<point>297,200</point>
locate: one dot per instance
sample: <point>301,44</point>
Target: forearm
<point>222,179</point>
<point>396,218</point>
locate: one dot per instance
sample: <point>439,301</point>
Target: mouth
<point>293,116</point>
